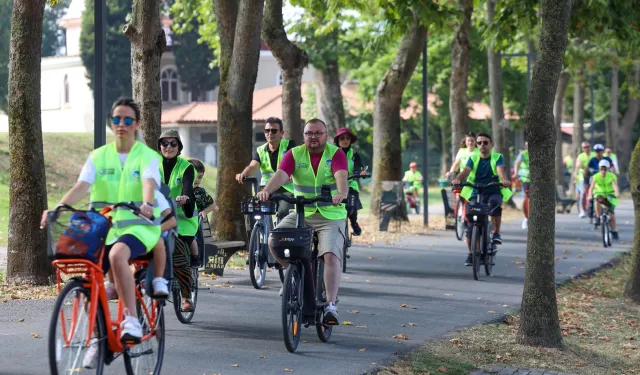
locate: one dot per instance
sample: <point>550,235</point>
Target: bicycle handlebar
<point>300,199</point>
<point>357,177</point>
<point>53,215</point>
<point>480,186</point>
<point>249,179</point>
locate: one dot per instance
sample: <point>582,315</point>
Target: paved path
<point>240,325</point>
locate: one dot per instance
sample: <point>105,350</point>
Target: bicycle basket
<point>480,210</point>
<point>77,234</point>
<point>291,244</point>
<point>254,206</point>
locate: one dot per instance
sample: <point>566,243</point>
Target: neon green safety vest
<point>413,177</point>
<point>467,190</point>
<point>583,159</point>
<point>353,184</point>
<point>604,186</point>
<point>523,170</point>
<point>265,163</point>
<point>463,155</point>
<point>308,184</point>
<point>187,226</point>
<point>115,183</point>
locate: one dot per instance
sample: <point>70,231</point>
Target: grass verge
<point>599,326</point>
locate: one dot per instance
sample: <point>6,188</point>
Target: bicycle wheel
<point>146,358</point>
<point>185,317</point>
<point>460,223</point>
<point>605,230</point>
<point>323,330</point>
<point>345,247</point>
<point>257,271</point>
<point>68,332</point>
<point>609,235</point>
<point>476,250</point>
<point>292,307</point>
<point>489,247</point>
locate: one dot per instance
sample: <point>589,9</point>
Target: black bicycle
<point>605,223</point>
<point>483,250</point>
<point>350,206</point>
<point>299,247</point>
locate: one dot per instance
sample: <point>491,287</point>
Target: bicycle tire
<point>55,346</point>
<point>460,223</point>
<point>132,362</point>
<point>257,233</point>
<point>291,307</point>
<point>185,317</point>
<point>345,247</point>
<point>475,252</point>
<point>488,255</point>
<point>609,235</point>
<point>605,230</point>
<point>323,330</point>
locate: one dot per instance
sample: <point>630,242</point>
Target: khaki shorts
<point>330,232</point>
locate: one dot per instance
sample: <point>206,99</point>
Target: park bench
<point>449,212</point>
<point>562,199</point>
<point>391,205</point>
<point>214,254</point>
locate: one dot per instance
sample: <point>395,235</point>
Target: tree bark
<point>329,96</point>
<point>539,325</point>
<point>148,43</point>
<point>558,110</point>
<point>495,93</point>
<point>239,54</point>
<point>292,61</point>
<point>387,149</point>
<point>614,118</point>
<point>27,252</point>
<point>625,130</point>
<point>460,56</point>
<point>632,289</point>
<point>578,112</point>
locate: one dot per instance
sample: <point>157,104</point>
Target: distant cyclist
<point>521,172</point>
<point>582,160</point>
<point>414,176</point>
<point>604,187</point>
<point>463,155</point>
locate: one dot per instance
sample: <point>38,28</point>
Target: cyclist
<point>179,174</point>
<point>594,162</point>
<point>604,187</point>
<point>521,172</point>
<point>608,152</point>
<point>345,139</point>
<point>267,159</point>
<point>582,160</point>
<point>463,155</point>
<point>122,171</point>
<point>312,166</point>
<point>414,176</point>
<point>484,167</point>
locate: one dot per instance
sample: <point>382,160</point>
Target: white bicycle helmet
<point>604,163</point>
<point>598,147</point>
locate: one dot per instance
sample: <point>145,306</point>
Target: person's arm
<point>506,182</point>
<point>249,171</point>
<point>357,162</point>
<point>187,191</point>
<point>616,189</point>
<point>516,166</point>
<point>454,167</point>
<point>462,175</point>
<point>590,190</point>
<point>278,179</point>
<point>340,169</point>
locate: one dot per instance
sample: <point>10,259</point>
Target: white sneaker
<point>111,290</point>
<point>90,359</point>
<point>331,314</point>
<point>281,290</point>
<point>582,215</point>
<point>160,287</point>
<point>525,223</point>
<point>131,330</point>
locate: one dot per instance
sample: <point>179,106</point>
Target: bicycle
<point>89,322</point>
<point>299,246</point>
<point>351,205</point>
<point>411,196</point>
<point>605,223</point>
<point>259,256</point>
<point>460,214</point>
<point>483,250</point>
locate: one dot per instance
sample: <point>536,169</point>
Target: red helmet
<point>413,164</point>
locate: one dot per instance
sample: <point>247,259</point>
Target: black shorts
<point>136,247</point>
<point>495,207</point>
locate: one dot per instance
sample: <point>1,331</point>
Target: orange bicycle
<point>81,320</point>
<point>460,205</point>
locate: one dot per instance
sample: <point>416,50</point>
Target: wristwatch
<point>148,204</point>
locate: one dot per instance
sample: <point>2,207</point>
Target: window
<point>208,138</point>
<point>66,89</point>
<point>169,86</point>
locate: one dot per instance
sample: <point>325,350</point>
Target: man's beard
<point>319,147</point>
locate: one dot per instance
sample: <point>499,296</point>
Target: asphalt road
<point>241,326</point>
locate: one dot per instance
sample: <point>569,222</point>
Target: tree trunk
<point>632,289</point>
<point>292,61</point>
<point>460,56</point>
<point>445,151</point>
<point>578,112</point>
<point>625,130</point>
<point>239,54</point>
<point>558,110</point>
<point>614,118</point>
<point>148,43</point>
<point>27,253</point>
<point>387,149</point>
<point>329,96</point>
<point>539,325</point>
<point>495,93</point>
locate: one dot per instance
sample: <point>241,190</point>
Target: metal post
<point>99,97</point>
<point>593,127</point>
<point>425,135</point>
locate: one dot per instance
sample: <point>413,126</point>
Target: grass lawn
<point>599,328</point>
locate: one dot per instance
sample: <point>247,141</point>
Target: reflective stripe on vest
<point>186,226</point>
<point>115,183</point>
<point>265,163</point>
<point>308,184</point>
<point>351,162</point>
<point>467,191</point>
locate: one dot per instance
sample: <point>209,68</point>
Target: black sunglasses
<point>273,131</point>
<point>167,143</point>
<point>483,143</point>
<point>128,121</point>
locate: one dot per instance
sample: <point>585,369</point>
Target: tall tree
<point>147,46</point>
<point>53,38</point>
<point>328,88</point>
<point>292,61</point>
<point>558,110</point>
<point>27,255</point>
<point>539,323</point>
<point>578,110</point>
<point>460,52</point>
<point>632,289</point>
<point>118,48</point>
<point>495,92</point>
<point>237,24</point>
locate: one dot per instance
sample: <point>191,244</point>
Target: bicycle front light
<point>257,217</point>
<point>475,218</point>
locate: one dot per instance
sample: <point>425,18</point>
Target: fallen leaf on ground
<point>566,251</point>
<point>369,258</point>
<point>345,323</point>
<point>407,306</point>
<point>491,312</point>
<point>442,370</point>
<point>263,357</point>
<point>236,365</point>
<point>518,262</point>
<point>412,324</point>
<point>288,370</point>
<point>35,335</point>
<point>363,350</point>
<point>368,281</point>
<point>354,311</point>
<point>361,326</point>
<point>400,336</point>
<point>20,320</point>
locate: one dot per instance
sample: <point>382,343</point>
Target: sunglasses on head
<point>272,131</point>
<point>483,143</point>
<point>128,121</point>
<point>169,143</point>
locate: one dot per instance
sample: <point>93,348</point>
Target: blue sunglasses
<point>128,121</point>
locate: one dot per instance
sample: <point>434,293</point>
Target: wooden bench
<point>562,199</point>
<point>449,212</point>
<point>214,255</point>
